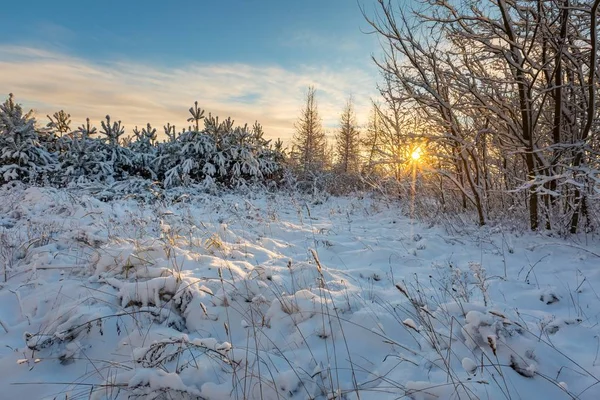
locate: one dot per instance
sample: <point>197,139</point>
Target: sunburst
<point>416,154</point>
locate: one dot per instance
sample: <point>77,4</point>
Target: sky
<point>148,61</point>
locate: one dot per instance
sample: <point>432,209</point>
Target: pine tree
<point>146,138</point>
<point>113,132</point>
<point>309,143</point>
<point>119,159</point>
<point>347,141</point>
<point>257,134</point>
<point>60,122</point>
<point>21,155</point>
<point>144,151</point>
<point>170,132</point>
<point>197,116</point>
<point>82,157</point>
<point>372,141</point>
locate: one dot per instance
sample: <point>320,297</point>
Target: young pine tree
<point>112,131</point>
<point>197,116</point>
<point>21,155</point>
<point>119,158</point>
<point>347,141</point>
<point>60,122</point>
<point>82,157</point>
<point>309,142</point>
<point>144,151</point>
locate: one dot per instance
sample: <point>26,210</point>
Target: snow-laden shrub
<point>88,156</point>
<point>144,152</point>
<point>82,158</point>
<point>118,158</point>
<point>221,153</point>
<point>215,156</point>
<point>22,157</point>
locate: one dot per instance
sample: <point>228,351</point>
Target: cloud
<point>138,93</point>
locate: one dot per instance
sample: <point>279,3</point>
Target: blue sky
<point>148,61</point>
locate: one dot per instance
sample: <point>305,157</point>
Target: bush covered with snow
<point>22,156</point>
<point>218,154</point>
<point>222,153</point>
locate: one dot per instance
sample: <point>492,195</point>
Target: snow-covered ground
<point>276,297</point>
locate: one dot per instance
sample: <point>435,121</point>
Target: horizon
<point>251,62</point>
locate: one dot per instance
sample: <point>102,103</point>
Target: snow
<point>469,365</point>
<point>410,323</point>
<point>277,296</point>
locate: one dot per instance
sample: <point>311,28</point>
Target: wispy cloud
<point>136,93</point>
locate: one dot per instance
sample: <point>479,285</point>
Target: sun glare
<point>416,154</point>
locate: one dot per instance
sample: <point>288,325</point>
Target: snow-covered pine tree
<point>21,155</point>
<point>219,153</point>
<point>251,157</point>
<point>171,132</point>
<point>113,132</point>
<point>271,156</point>
<point>182,160</point>
<point>59,125</point>
<point>119,158</point>
<point>60,122</point>
<point>167,158</point>
<point>257,132</point>
<point>197,116</point>
<point>82,157</point>
<point>144,152</point>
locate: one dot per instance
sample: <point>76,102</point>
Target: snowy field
<point>277,297</point>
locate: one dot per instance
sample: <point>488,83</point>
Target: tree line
<point>208,151</point>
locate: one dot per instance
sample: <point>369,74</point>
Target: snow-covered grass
<point>278,297</point>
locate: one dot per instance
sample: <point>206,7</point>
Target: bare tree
<point>424,80</point>
<point>509,88</point>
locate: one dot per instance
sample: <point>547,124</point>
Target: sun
<point>416,154</point>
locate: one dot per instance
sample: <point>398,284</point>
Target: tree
<point>347,141</point>
<point>390,123</point>
<point>83,157</point>
<point>197,116</point>
<point>21,155</point>
<point>219,154</point>
<point>113,132</point>
<point>309,142</point>
<point>583,171</point>
<point>60,122</point>
<point>144,151</point>
<point>509,91</point>
<point>170,132</point>
<point>119,159</point>
<point>371,141</point>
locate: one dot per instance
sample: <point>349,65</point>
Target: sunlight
<point>416,154</point>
